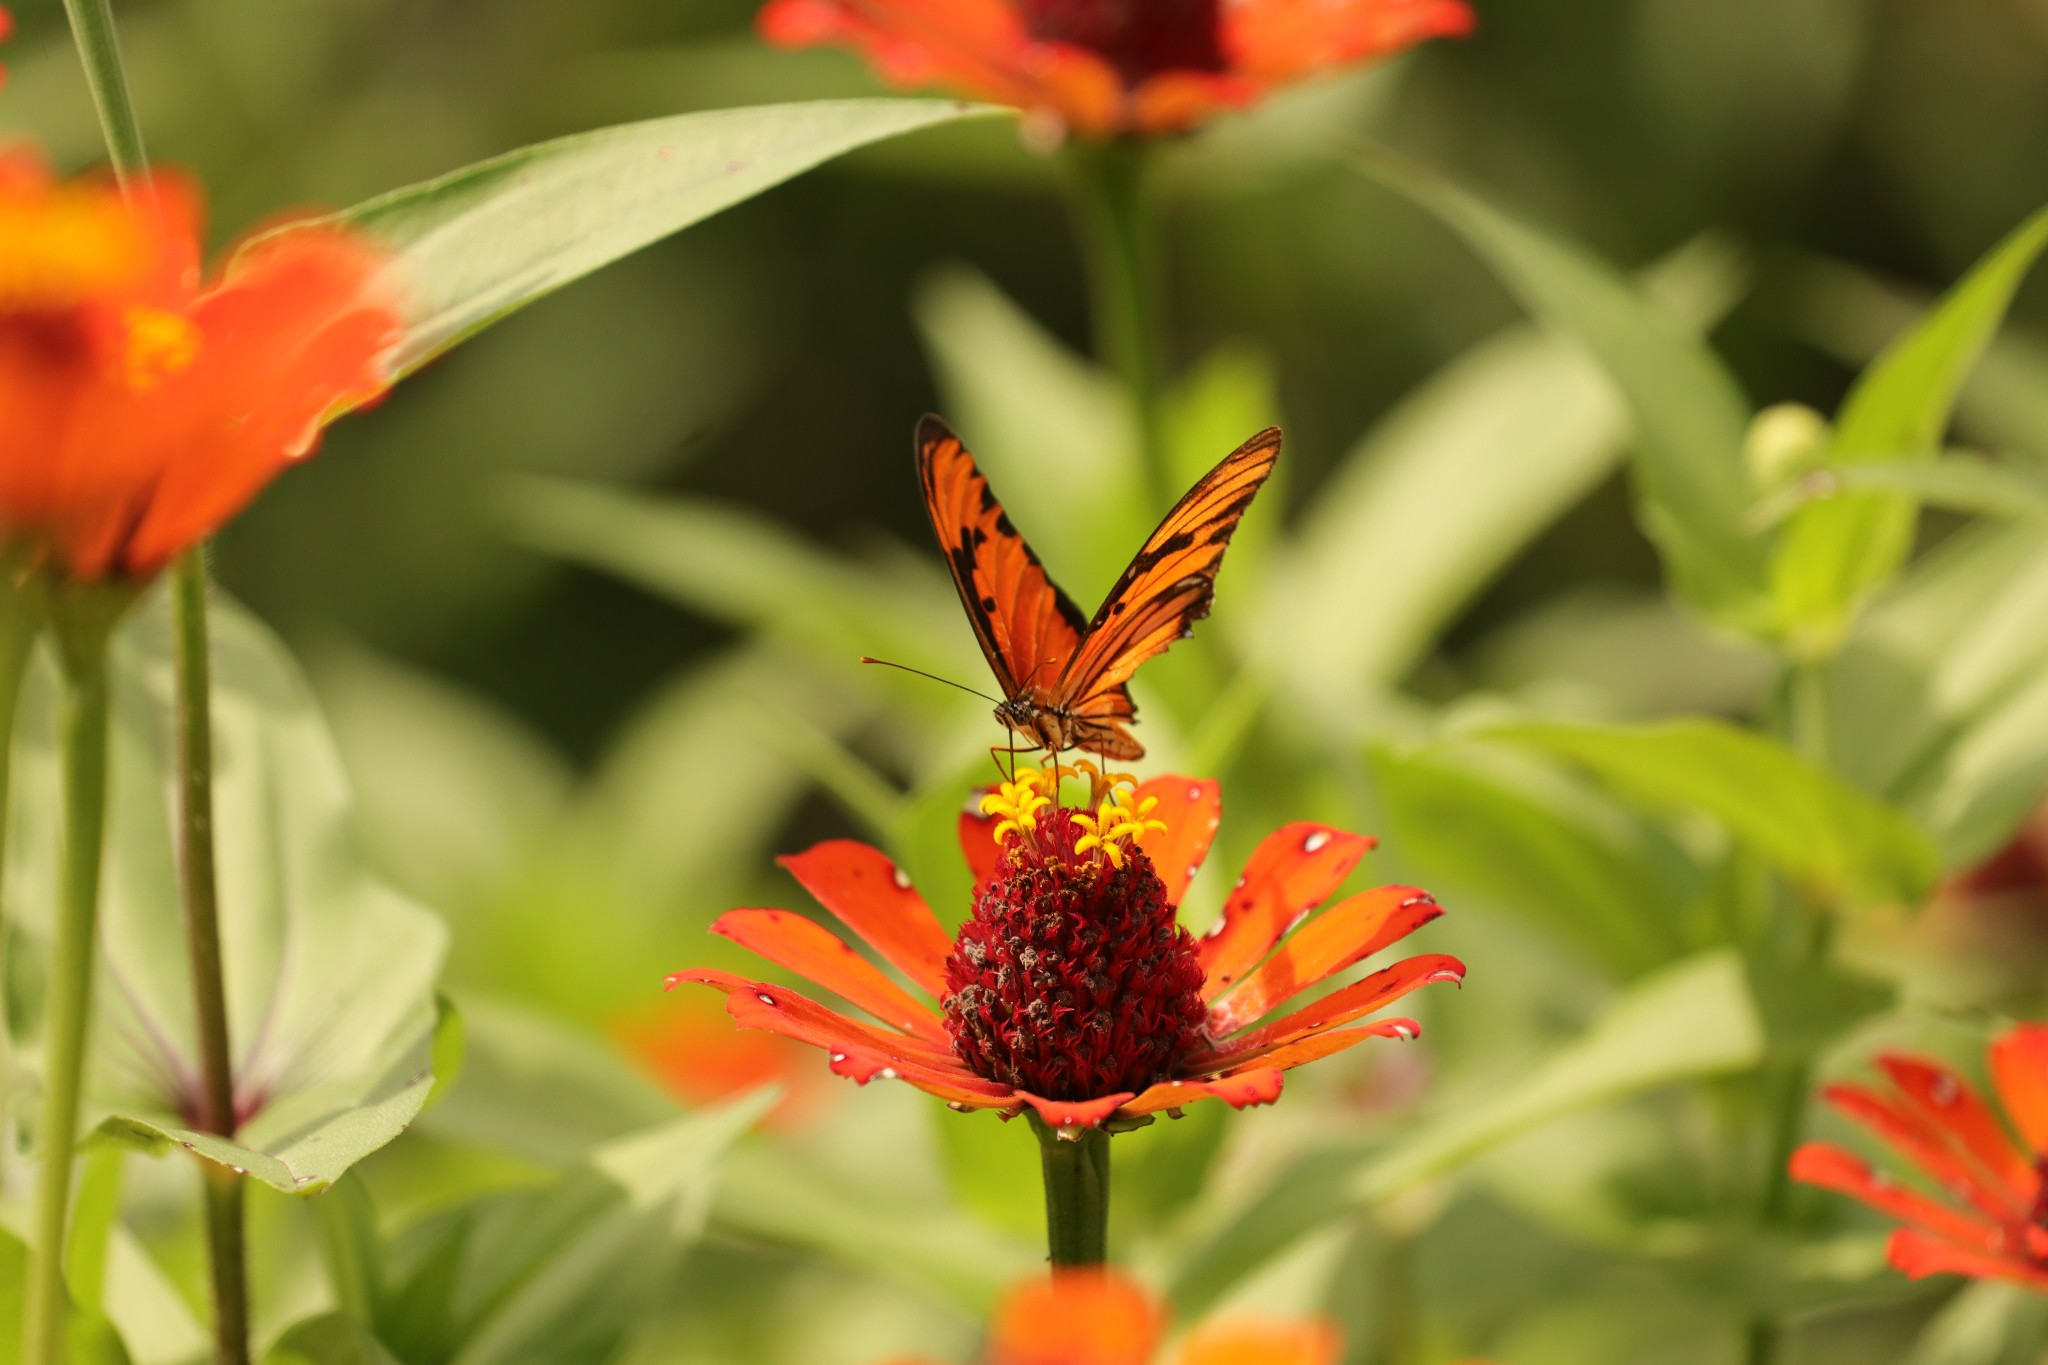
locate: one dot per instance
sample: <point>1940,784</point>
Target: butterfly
<point>1065,679</point>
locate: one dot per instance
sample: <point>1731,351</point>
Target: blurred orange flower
<point>1937,1121</point>
<point>6,32</point>
<point>1137,67</point>
<point>699,1058</point>
<point>1097,1316</point>
<point>140,410</point>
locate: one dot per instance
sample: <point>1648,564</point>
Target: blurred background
<point>579,743</point>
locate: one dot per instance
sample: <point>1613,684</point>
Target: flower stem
<point>92,27</point>
<point>17,637</point>
<point>1112,203</point>
<point>199,890</point>
<point>83,623</point>
<point>1076,1163</point>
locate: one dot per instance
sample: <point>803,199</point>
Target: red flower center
<point>1140,38</point>
<point>1073,979</point>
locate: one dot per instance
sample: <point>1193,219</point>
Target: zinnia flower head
<point>1072,989</point>
<point>139,411</point>
<point>1113,67</point>
<point>1992,1219</point>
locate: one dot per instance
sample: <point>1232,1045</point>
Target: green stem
<point>92,27</point>
<point>1076,1162</point>
<point>17,637</point>
<point>82,624</point>
<point>199,889</point>
<point>1113,206</point>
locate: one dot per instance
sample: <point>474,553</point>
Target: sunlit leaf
<point>485,240</point>
<point>1837,550</point>
<point>1956,484</point>
<point>1825,835</point>
<point>1986,1324</point>
<point>1690,416</point>
<point>329,1339</point>
<point>1689,1021</point>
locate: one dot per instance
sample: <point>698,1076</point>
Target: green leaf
<point>1439,496</point>
<point>1834,552</point>
<point>1690,416</point>
<point>1987,1323</point>
<point>1539,846</point>
<point>1959,484</point>
<point>486,240</point>
<point>330,974</point>
<point>1686,1022</point>
<point>1831,839</point>
<point>89,1338</point>
<point>329,1339</point>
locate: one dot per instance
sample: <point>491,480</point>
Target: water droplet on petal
<point>764,998</point>
<point>1315,843</point>
<point>902,879</point>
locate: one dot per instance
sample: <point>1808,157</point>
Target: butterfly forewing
<point>1172,581</point>
<point>1027,627</point>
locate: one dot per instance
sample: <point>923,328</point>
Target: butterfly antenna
<point>934,677</point>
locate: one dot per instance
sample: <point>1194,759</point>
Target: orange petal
<point>809,949</point>
<point>1341,1006</point>
<point>1317,1046</point>
<point>2019,1067</point>
<point>978,839</point>
<point>1348,932</point>
<point>1292,872</point>
<point>1949,1102</point>
<point>872,897</point>
<point>1190,810</point>
<point>1917,1254</point>
<point>1074,1113</point>
<point>1175,101</point>
<point>1282,40</point>
<point>1251,1341</point>
<point>1260,1085</point>
<point>1075,1317</point>
<point>1831,1168</point>
<point>1927,1146</point>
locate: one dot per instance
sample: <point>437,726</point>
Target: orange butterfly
<point>1065,680</point>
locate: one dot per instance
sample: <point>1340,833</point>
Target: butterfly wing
<point>1027,627</point>
<point>1167,588</point>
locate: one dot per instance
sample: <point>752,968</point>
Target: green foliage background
<point>580,603</point>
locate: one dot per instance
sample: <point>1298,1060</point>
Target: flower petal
<point>1317,1046</point>
<point>1917,1254</point>
<point>1831,1168</point>
<point>978,839</point>
<point>1190,810</point>
<point>1253,1341</point>
<point>811,950</point>
<point>872,897</point>
<point>1092,1316</point>
<point>1340,1006</point>
<point>1348,932</point>
<point>1949,1102</point>
<point>2019,1066</point>
<point>1075,1113</point>
<point>1260,1085</point>
<point>1174,101</point>
<point>1282,40</point>
<point>1927,1146</point>
<point>1294,870</point>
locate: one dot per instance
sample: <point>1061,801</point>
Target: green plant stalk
<point>1076,1164</point>
<point>1112,205</point>
<point>82,646</point>
<point>199,890</point>
<point>92,28</point>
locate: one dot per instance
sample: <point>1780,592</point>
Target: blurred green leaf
<point>1958,484</point>
<point>1825,835</point>
<point>1836,551</point>
<point>329,1339</point>
<point>483,241</point>
<point>1438,496</point>
<point>1689,414</point>
<point>330,974</point>
<point>1540,846</point>
<point>89,1338</point>
<point>1986,1324</point>
<point>1688,1021</point>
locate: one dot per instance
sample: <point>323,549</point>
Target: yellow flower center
<point>160,345</point>
<point>66,248</point>
<point>1112,825</point>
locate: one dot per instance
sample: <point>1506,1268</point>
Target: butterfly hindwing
<point>1027,627</point>
<point>1169,585</point>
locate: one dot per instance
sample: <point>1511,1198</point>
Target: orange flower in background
<point>1100,1317</point>
<point>1072,989</point>
<point>1996,1225</point>
<point>695,1054</point>
<point>6,32</point>
<point>140,411</point>
<point>1102,69</point>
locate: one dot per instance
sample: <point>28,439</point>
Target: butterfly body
<point>1065,677</point>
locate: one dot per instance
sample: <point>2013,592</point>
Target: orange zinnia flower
<point>1072,989</point>
<point>1096,1316</point>
<point>1140,66</point>
<point>699,1059</point>
<point>1937,1121</point>
<point>139,411</point>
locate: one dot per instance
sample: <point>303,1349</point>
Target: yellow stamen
<point>160,345</point>
<point>1018,802</point>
